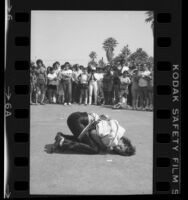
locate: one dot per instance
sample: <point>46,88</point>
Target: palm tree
<point>101,63</point>
<point>150,18</point>
<point>93,55</point>
<point>109,44</point>
<point>125,52</point>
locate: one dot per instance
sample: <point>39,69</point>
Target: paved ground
<point>89,174</point>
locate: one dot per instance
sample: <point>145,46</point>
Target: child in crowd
<point>52,85</point>
<point>75,83</point>
<point>83,80</point>
<point>66,74</point>
<point>124,82</point>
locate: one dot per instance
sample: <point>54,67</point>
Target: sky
<point>71,35</point>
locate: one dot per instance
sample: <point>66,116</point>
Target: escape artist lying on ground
<point>92,134</point>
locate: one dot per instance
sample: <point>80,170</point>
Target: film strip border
<point>166,171</point>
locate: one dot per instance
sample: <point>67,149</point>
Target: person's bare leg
<point>31,102</point>
<point>42,98</point>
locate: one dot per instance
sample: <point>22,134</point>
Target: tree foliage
<point>150,18</point>
<point>101,63</point>
<point>122,58</point>
<point>138,57</point>
<point>93,63</point>
<point>93,55</point>
<point>150,62</point>
<point>109,44</point>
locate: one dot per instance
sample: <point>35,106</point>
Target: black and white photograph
<point>91,102</point>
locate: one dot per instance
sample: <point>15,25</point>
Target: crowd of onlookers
<point>118,86</point>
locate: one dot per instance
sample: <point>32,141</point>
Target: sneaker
<point>69,104</point>
<point>65,104</point>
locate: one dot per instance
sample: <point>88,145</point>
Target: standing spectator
<point>33,84</point>
<point>150,91</point>
<point>48,71</point>
<point>134,89</point>
<point>52,85</point>
<point>116,86</point>
<point>124,82</point>
<point>83,79</point>
<point>100,94</point>
<point>75,83</point>
<point>108,86</point>
<point>143,74</point>
<point>56,67</point>
<point>93,85</point>
<point>60,89</point>
<point>41,80</point>
<point>67,83</point>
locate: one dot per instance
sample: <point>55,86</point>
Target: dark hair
<point>67,63</point>
<point>39,61</point>
<point>77,121</point>
<point>56,63</point>
<point>62,67</point>
<point>130,150</point>
<point>51,69</point>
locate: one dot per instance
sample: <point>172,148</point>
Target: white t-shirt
<point>67,72</point>
<point>142,82</point>
<point>51,78</point>
<point>146,73</point>
<point>99,76</point>
<point>110,132</point>
<point>84,78</point>
<point>125,80</point>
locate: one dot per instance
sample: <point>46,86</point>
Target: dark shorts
<point>52,87</point>
<point>41,85</point>
<point>83,86</point>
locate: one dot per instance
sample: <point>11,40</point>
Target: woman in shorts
<point>41,80</point>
